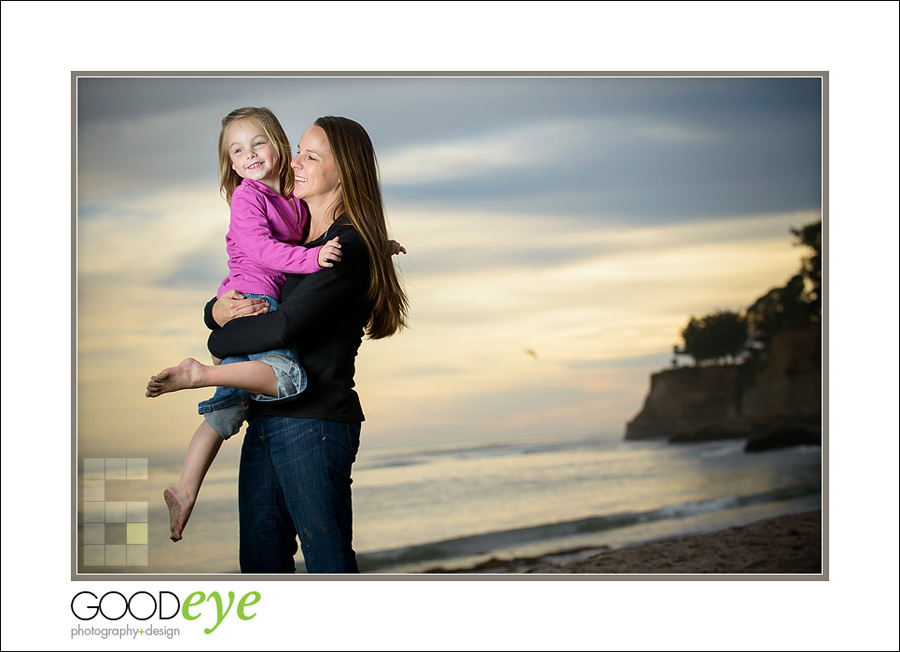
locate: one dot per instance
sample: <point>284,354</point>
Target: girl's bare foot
<point>180,505</point>
<point>187,375</point>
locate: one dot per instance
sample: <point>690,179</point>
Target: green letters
<point>198,597</point>
<point>219,615</point>
<point>245,603</point>
<point>190,602</point>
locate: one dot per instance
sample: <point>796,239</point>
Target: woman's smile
<point>316,176</point>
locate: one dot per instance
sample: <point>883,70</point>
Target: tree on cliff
<point>811,269</point>
<point>800,300</point>
<point>775,310</point>
<point>719,336</point>
<point>725,335</point>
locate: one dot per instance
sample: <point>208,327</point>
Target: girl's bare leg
<point>252,376</point>
<point>180,498</point>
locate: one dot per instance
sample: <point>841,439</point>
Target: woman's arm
<point>231,305</point>
<point>341,288</point>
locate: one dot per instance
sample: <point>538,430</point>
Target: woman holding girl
<point>297,454</point>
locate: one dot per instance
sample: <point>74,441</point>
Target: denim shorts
<point>227,410</point>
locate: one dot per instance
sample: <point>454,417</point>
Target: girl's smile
<point>252,154</point>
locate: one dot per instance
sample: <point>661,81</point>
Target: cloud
<point>137,157</point>
<point>480,154</point>
<point>147,237</point>
<point>659,150</point>
<point>204,267</point>
<point>652,168</point>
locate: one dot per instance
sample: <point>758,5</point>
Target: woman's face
<point>316,175</point>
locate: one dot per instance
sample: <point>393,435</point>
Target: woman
<point>297,455</point>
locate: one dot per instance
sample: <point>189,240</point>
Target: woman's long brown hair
<point>354,156</point>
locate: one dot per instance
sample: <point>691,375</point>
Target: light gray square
<point>116,556</point>
<point>94,490</point>
<point>116,512</point>
<point>137,512</point>
<point>94,533</point>
<point>137,555</point>
<point>137,468</point>
<point>94,555</point>
<point>94,512</point>
<point>116,468</point>
<point>94,468</point>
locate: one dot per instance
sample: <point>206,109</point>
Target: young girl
<point>266,224</point>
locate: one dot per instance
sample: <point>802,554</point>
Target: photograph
<point>544,324</point>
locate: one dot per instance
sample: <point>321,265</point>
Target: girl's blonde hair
<point>361,201</point>
<point>228,178</point>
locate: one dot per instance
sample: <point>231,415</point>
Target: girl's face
<point>253,155</point>
<point>316,175</point>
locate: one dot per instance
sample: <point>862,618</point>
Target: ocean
<point>451,506</point>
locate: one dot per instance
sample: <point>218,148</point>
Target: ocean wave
<point>479,451</point>
<point>478,544</point>
<point>725,448</point>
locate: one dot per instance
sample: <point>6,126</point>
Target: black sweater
<point>324,315</point>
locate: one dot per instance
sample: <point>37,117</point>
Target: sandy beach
<point>790,544</point>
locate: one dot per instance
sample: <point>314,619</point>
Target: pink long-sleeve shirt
<point>262,241</point>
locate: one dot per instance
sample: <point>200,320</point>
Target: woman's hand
<point>232,304</point>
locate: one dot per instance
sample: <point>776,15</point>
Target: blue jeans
<point>227,410</point>
<point>295,479</point>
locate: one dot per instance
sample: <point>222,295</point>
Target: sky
<point>584,218</point>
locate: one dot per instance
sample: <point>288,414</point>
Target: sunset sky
<point>582,218</point>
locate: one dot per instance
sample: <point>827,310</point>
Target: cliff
<point>771,402</point>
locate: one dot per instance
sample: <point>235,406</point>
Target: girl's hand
<point>330,253</point>
<point>397,248</point>
<point>232,304</point>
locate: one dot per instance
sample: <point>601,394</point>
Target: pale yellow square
<point>136,533</point>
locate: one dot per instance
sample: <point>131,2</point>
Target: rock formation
<point>770,402</point>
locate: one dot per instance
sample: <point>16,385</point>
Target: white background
<point>857,44</point>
